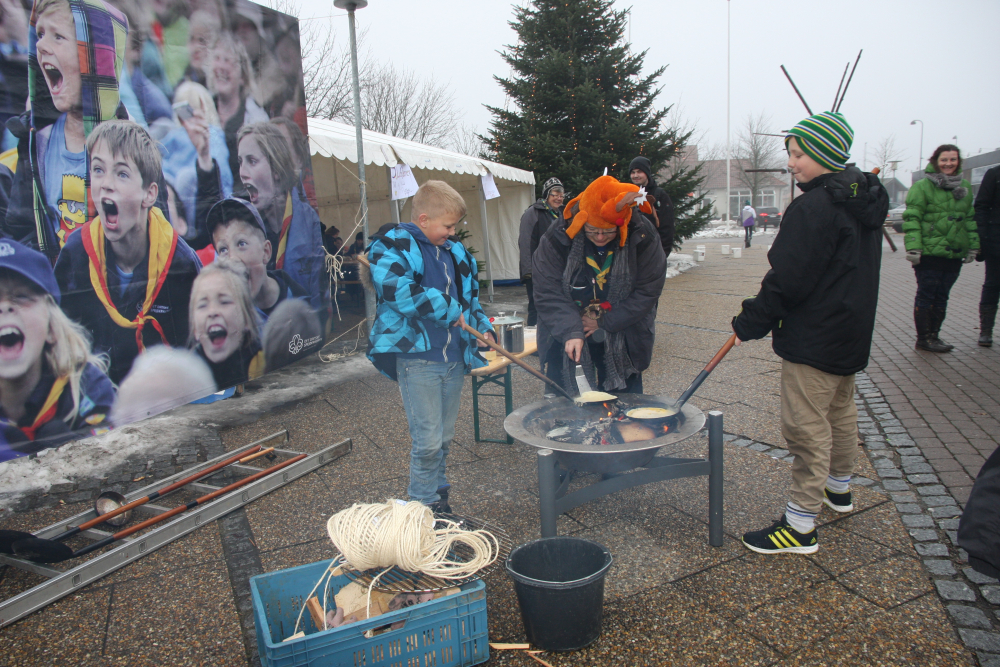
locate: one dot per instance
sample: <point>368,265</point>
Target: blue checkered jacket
<point>406,309</point>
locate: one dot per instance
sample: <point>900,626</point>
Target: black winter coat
<point>820,296</point>
<point>664,209</point>
<point>559,317</point>
<point>987,207</point>
<point>534,223</point>
<point>979,527</point>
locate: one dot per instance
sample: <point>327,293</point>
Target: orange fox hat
<point>599,205</point>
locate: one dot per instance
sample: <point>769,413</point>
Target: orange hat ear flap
<point>577,224</point>
<point>622,235</point>
<point>568,211</point>
<point>646,207</point>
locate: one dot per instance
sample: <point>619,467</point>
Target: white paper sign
<point>403,183</point>
<point>489,186</point>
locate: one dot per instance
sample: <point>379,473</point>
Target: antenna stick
<point>787,76</point>
<point>840,85</point>
<point>849,80</point>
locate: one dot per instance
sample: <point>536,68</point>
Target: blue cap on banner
<point>29,263</point>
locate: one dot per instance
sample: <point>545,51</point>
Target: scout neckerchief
<point>601,271</point>
<point>48,410</point>
<point>162,244</point>
<point>279,262</point>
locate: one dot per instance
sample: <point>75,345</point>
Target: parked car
<point>895,218</point>
<point>768,216</point>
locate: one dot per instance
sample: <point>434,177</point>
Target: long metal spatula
<point>49,551</point>
<point>9,537</point>
<point>693,387</point>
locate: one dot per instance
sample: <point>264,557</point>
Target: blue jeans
<point>933,288</point>
<point>432,392</point>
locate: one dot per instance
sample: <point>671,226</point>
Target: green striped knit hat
<point>826,138</point>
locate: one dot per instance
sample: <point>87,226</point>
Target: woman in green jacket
<point>940,229</point>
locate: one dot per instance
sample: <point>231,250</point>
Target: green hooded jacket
<point>936,223</point>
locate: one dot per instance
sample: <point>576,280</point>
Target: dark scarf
<point>617,364</point>
<point>946,182</point>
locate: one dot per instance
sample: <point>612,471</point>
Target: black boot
<point>937,319</point>
<point>922,318</point>
<point>987,316</point>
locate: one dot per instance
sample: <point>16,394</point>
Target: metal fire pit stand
<point>553,499</point>
<point>62,583</point>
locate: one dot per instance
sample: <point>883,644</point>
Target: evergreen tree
<point>581,104</point>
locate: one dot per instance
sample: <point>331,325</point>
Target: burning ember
<point>610,426</point>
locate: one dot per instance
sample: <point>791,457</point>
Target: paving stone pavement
<point>887,587</point>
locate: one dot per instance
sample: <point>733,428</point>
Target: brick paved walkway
<point>948,403</point>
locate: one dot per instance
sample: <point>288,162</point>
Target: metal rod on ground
<point>486,239</point>
<point>714,478</point>
<point>840,85</point>
<point>796,88</point>
<point>846,85</point>
<point>547,491</point>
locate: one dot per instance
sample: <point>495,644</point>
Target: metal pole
<point>728,187</point>
<point>393,203</point>
<point>486,239</point>
<point>369,296</point>
<point>547,491</point>
<point>715,478</point>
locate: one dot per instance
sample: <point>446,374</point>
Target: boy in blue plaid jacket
<point>427,289</point>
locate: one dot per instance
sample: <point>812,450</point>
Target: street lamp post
<point>914,122</point>
<point>350,6</point>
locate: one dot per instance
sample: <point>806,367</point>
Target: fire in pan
<point>602,437</point>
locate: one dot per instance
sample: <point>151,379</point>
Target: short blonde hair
<point>198,97</point>
<point>237,277</point>
<point>436,198</point>
<point>48,5</point>
<point>274,147</point>
<point>130,140</point>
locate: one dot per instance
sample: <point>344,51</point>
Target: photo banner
<point>161,242</point>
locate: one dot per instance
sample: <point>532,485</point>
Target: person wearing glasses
<point>598,273</point>
<point>534,223</point>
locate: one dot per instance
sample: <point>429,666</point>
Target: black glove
<point>525,278</point>
<point>980,257</point>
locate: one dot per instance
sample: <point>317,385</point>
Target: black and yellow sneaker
<point>838,502</point>
<point>781,538</point>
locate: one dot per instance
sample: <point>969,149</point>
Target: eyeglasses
<point>600,232</point>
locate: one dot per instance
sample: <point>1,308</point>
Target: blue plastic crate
<point>448,631</point>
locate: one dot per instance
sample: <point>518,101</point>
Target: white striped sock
<point>800,519</point>
<point>838,484</point>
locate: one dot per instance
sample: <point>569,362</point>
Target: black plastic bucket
<point>560,587</point>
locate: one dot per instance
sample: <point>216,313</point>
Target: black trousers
<point>991,286</point>
<point>748,233</point>
<point>532,313</point>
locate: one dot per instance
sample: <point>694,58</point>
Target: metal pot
<point>509,332</point>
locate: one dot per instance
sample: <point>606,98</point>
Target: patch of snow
<point>678,264</point>
<point>722,229</point>
<point>97,456</point>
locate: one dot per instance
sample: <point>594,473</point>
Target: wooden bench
<point>498,372</point>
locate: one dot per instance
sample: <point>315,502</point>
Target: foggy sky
<point>937,62</point>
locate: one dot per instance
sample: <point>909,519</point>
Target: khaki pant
<point>820,422</point>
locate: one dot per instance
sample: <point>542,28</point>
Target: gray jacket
<point>559,317</point>
<point>534,223</point>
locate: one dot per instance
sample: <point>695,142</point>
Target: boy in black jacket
<point>818,302</point>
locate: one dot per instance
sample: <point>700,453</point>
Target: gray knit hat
<point>549,184</point>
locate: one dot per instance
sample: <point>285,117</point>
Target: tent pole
<point>486,239</point>
<point>393,203</point>
<point>369,297</point>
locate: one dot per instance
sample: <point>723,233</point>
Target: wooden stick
<point>500,350</point>
<point>263,452</point>
<point>316,611</point>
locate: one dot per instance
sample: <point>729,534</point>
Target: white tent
<point>334,161</point>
